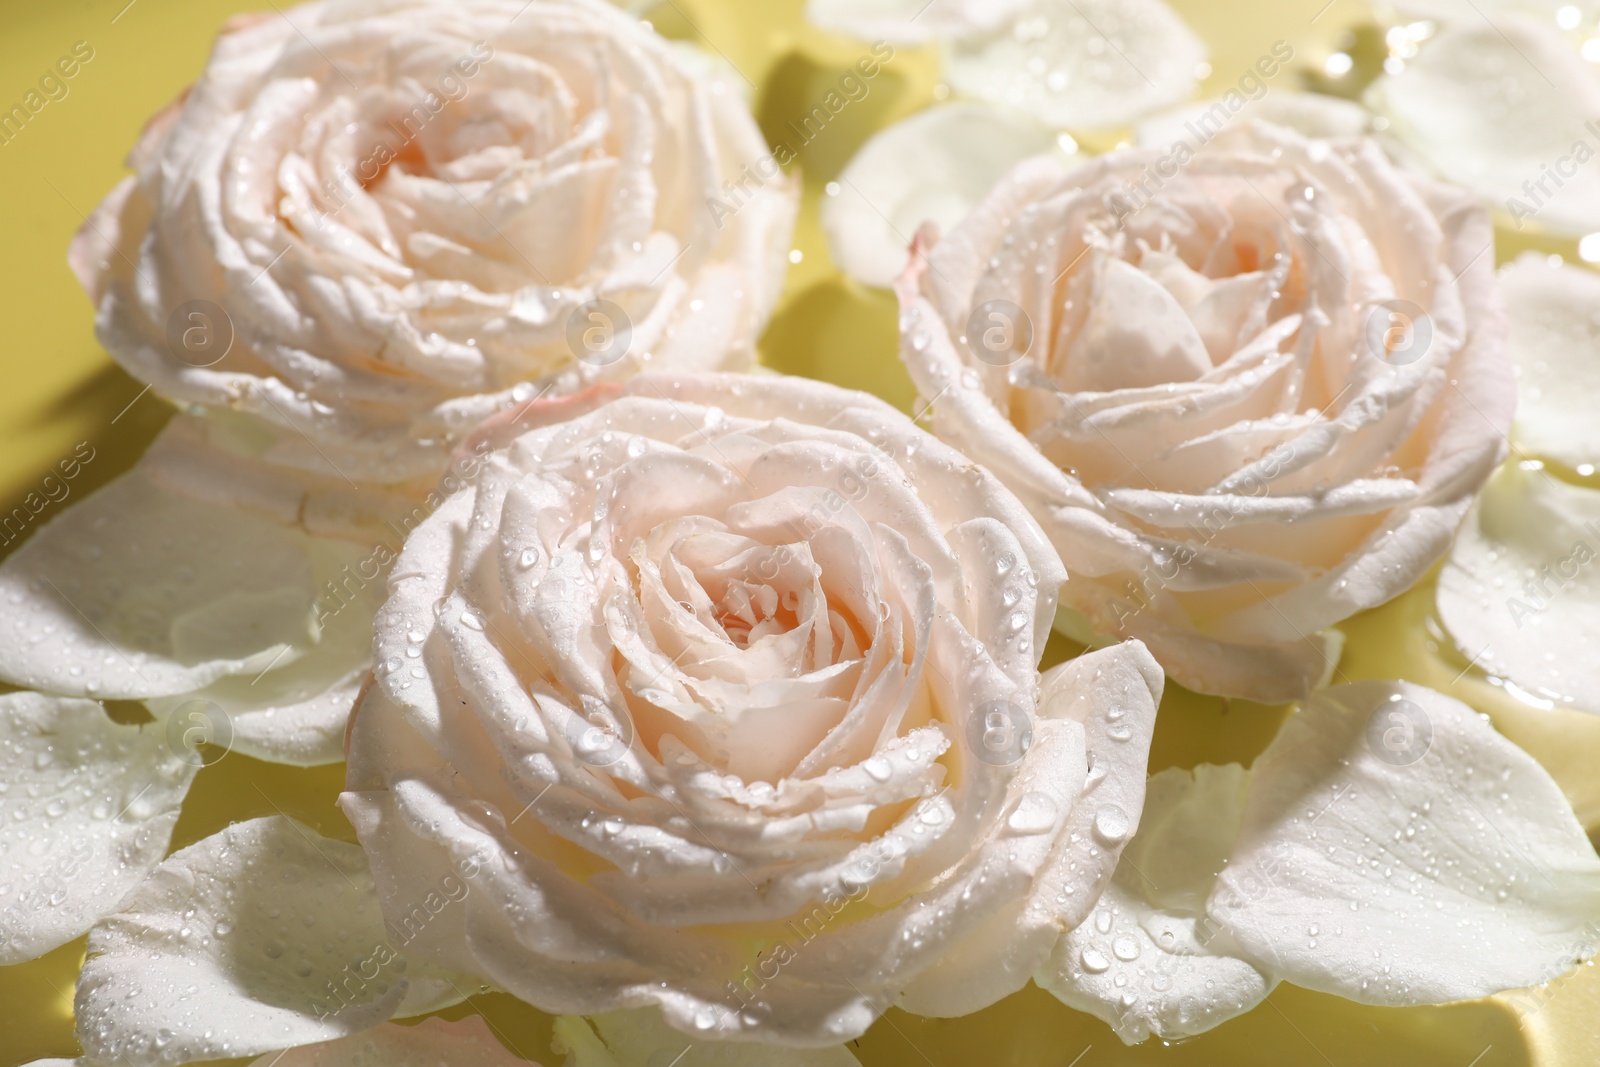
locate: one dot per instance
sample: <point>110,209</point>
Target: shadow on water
<point>116,428</point>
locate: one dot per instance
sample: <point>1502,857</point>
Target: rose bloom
<point>730,685</point>
<point>369,222</point>
<point>1247,392</point>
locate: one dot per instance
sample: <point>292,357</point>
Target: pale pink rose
<point>1247,392</point>
<point>374,223</point>
<point>730,684</point>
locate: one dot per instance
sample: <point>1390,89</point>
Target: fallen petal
<point>87,811</point>
<point>261,937</point>
<point>1520,593</point>
<point>431,1043</point>
<point>1394,849</point>
<point>932,167</point>
<point>1089,64</point>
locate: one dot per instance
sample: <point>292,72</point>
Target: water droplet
<point>1111,824</point>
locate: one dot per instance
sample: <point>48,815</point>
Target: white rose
<point>1247,393</point>
<point>368,222</point>
<point>731,684</point>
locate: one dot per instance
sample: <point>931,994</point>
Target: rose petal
<point>1463,10</point>
<point>139,591</point>
<point>261,936</point>
<point>911,21</point>
<point>431,1043</point>
<point>295,716</point>
<point>1520,594</point>
<point>626,1038</point>
<point>194,566</point>
<point>1394,849</point>
<point>1492,106</point>
<point>932,167</point>
<point>988,927</point>
<point>1239,879</point>
<point>296,713</point>
<point>1148,961</point>
<point>1112,694</point>
<point>207,574</point>
<point>1311,114</point>
<point>88,813</point>
<point>1095,64</point>
<point>1554,311</point>
<point>926,459</point>
<point>1135,336</point>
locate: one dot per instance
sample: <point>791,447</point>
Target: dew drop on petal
<point>1035,814</point>
<point>1111,824</point>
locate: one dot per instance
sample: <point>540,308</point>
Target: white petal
<point>295,716</point>
<point>1395,849</point>
<point>139,591</point>
<point>1148,960</point>
<point>431,1043</point>
<point>1554,313</point>
<point>1135,336</point>
<point>193,577</point>
<point>296,712</point>
<point>932,167</point>
<point>1095,64</point>
<point>911,21</point>
<point>1477,10</point>
<point>1310,114</point>
<point>1497,107</point>
<point>630,1038</point>
<point>261,937</point>
<point>87,812</point>
<point>1114,693</point>
<point>1520,593</point>
<point>1108,699</point>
